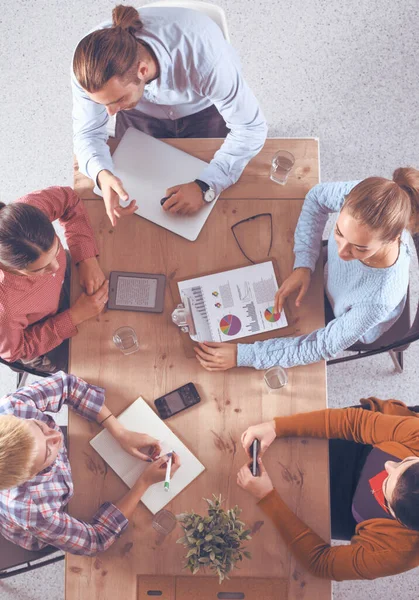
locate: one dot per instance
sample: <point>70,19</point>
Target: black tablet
<point>136,291</point>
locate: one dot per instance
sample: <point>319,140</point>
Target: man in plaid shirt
<point>35,473</point>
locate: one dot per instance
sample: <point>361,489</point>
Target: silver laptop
<point>147,167</point>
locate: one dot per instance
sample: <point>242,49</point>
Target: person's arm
<point>93,154</point>
<point>225,86</point>
<point>51,393</point>
<point>367,557</point>
<point>354,424</point>
<point>20,342</point>
<point>89,133</point>
<point>73,535</point>
<point>320,202</point>
<point>79,537</point>
<point>154,473</point>
<point>322,344</point>
<point>62,203</point>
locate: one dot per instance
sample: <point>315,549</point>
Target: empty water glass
<point>164,522</point>
<point>275,378</point>
<point>281,166</point>
<point>126,340</point>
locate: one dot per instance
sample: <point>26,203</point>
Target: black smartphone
<point>173,402</point>
<point>254,452</point>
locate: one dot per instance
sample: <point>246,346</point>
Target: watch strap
<point>204,186</point>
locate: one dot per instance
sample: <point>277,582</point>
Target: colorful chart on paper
<point>230,325</point>
<point>271,316</point>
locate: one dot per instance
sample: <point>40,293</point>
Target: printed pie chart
<point>230,325</point>
<point>271,316</point>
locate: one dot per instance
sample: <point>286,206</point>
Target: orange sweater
<point>379,547</point>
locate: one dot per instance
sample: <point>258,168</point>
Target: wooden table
<point>140,561</point>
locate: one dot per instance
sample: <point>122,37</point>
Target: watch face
<point>209,195</point>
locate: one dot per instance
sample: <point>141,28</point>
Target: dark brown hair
<point>405,498</point>
<point>109,52</point>
<point>387,206</point>
<point>25,233</point>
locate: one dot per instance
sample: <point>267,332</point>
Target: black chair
<point>394,341</point>
<point>15,560</point>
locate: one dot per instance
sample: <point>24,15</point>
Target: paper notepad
<point>140,417</point>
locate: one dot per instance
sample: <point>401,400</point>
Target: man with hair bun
<point>168,72</point>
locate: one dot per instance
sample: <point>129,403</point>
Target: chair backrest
<point>21,368</point>
<point>413,334</point>
<point>414,329</point>
<point>216,13</point>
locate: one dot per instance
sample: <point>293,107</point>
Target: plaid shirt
<point>29,323</point>
<point>32,514</point>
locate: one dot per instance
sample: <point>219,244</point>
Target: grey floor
<point>344,72</point>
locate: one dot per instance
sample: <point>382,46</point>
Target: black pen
<point>163,200</point>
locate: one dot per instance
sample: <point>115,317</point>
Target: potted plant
<point>215,541</point>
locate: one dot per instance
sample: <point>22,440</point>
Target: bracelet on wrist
<point>105,419</point>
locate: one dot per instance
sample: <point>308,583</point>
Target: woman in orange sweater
<point>374,464</point>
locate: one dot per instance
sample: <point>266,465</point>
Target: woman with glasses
<point>366,274</point>
<point>374,489</point>
<point>35,316</point>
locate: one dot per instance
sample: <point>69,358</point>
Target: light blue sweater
<point>366,301</point>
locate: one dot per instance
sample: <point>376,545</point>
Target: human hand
<point>91,275</point>
<point>86,307</point>
<point>299,280</point>
<point>216,356</point>
<point>260,486</point>
<point>156,471</point>
<point>264,432</point>
<point>132,442</point>
<point>112,190</point>
<point>185,199</point>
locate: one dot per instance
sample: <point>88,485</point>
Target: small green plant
<point>215,541</point>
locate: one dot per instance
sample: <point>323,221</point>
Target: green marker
<point>168,467</point>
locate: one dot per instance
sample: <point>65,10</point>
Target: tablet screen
<point>136,291</point>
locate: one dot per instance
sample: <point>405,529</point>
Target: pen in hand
<point>163,200</point>
<point>168,467</point>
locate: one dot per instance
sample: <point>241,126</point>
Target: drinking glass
<point>275,378</point>
<point>164,522</point>
<point>282,163</point>
<point>126,340</point>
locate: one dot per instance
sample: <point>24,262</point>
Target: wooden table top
<point>255,181</point>
<point>140,560</point>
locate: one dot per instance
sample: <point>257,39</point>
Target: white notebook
<point>147,167</point>
<point>140,417</point>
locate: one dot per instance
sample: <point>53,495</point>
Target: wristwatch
<point>208,194</point>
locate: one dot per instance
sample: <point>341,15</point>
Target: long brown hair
<point>109,52</point>
<point>387,206</point>
<point>25,234</point>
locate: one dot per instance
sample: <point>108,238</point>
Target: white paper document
<point>233,304</point>
<point>140,417</point>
